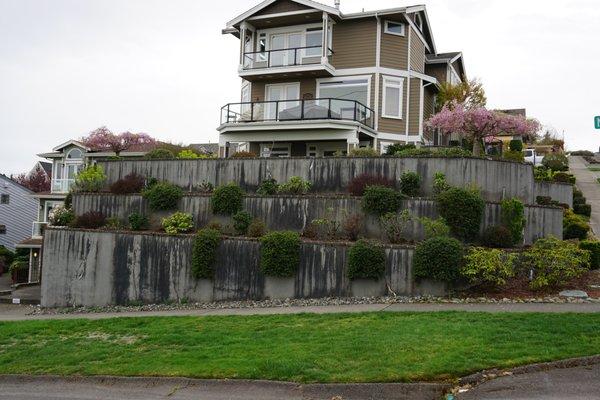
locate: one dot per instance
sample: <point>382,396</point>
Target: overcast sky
<point>163,67</point>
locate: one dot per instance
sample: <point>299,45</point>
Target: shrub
<point>227,199</point>
<point>296,185</point>
<point>586,153</point>
<point>130,183</point>
<point>497,236</point>
<point>488,267</point>
<point>90,220</point>
<point>61,216</point>
<point>268,187</point>
<point>462,210</point>
<point>68,203</point>
<point>395,225</point>
<point>593,246</point>
<point>178,222</point>
<point>243,154</point>
<point>204,253</point>
<point>434,227</point>
<point>137,221</point>
<point>187,154</point>
<point>358,184</point>
<point>410,182</point>
<point>241,222</point>
<point>541,173</point>
<point>159,154</point>
<point>323,228</point>
<point>114,223</point>
<point>206,187</point>
<point>439,183</point>
<point>438,258</point>
<point>6,255</point>
<point>510,155</point>
<point>411,152</point>
<point>215,225</point>
<point>579,199</point>
<point>556,162</point>
<point>162,196</point>
<point>554,262</point>
<point>257,228</point>
<point>91,179</point>
<point>564,177</point>
<point>280,253</point>
<point>543,200</point>
<point>574,226</point>
<point>512,215</point>
<point>451,152</point>
<point>515,145</point>
<point>353,225</point>
<point>583,209</point>
<point>363,152</point>
<point>396,147</point>
<point>366,260</point>
<point>380,200</point>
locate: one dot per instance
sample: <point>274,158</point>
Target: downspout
<point>408,83</point>
<point>377,75</point>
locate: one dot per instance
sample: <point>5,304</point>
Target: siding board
<point>394,49</point>
<point>354,43</point>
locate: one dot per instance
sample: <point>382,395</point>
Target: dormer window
<point>75,154</point>
<point>394,28</point>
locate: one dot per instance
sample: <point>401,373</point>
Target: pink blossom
<point>102,139</point>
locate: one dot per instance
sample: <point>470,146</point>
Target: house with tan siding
<point>316,81</point>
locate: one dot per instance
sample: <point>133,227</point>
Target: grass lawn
<point>595,169</point>
<point>368,347</point>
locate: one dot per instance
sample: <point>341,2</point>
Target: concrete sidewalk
<point>586,182</point>
<point>19,313</point>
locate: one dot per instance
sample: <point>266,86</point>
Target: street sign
<point>597,122</point>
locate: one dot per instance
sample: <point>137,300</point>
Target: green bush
<point>488,267</point>
<point>564,177</point>
<point>439,183</point>
<point>257,228</point>
<point>91,179</point>
<point>410,182</point>
<point>363,152</point>
<point>556,162</point>
<point>586,153</point>
<point>204,253</point>
<point>395,225</point>
<point>114,223</point>
<point>138,222</point>
<point>574,226</point>
<point>296,185</point>
<point>7,255</point>
<point>541,173</point>
<point>162,196</point>
<point>434,227</point>
<point>366,260</point>
<point>159,154</point>
<point>439,258</point>
<point>463,210</point>
<point>582,209</point>
<point>411,152</point>
<point>61,216</point>
<point>227,199</point>
<point>543,200</point>
<point>268,187</point>
<point>280,253</point>
<point>497,236</point>
<point>515,145</point>
<point>396,147</point>
<point>187,154</point>
<point>241,222</point>
<point>243,154</point>
<point>510,155</point>
<point>512,215</point>
<point>593,246</point>
<point>178,222</point>
<point>380,200</point>
<point>451,152</point>
<point>554,262</point>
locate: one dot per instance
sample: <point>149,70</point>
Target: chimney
<point>337,4</point>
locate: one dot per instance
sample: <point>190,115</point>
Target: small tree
<point>36,181</point>
<point>469,93</point>
<point>103,139</point>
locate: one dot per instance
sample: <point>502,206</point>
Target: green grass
<point>368,347</point>
<point>594,169</point>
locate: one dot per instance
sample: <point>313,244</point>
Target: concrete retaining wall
<point>295,212</point>
<point>497,179</point>
<point>95,268</point>
<point>561,192</point>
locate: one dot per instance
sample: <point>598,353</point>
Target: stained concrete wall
<point>295,212</point>
<point>497,179</point>
<point>95,268</point>
<point>561,192</point>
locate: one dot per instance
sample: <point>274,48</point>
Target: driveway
<point>586,182</point>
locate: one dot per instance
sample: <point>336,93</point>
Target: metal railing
<point>37,230</point>
<point>298,110</point>
<point>61,185</point>
<point>306,55</point>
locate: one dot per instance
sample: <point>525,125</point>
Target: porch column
<point>352,143</point>
<point>325,41</point>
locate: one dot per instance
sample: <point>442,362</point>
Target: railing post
<point>277,110</point>
<point>251,111</point>
<point>269,58</point>
<point>302,109</point>
<point>355,105</point>
<point>329,109</point>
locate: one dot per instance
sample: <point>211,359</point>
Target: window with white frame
<point>392,97</point>
<point>394,28</point>
<point>314,37</point>
<point>343,94</point>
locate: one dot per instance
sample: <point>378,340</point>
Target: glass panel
<point>75,153</point>
<point>393,27</point>
<point>294,42</point>
<point>313,38</point>
<point>277,43</point>
<point>349,91</point>
<point>392,101</point>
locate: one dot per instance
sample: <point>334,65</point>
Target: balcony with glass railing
<point>61,185</point>
<point>37,230</point>
<point>298,110</point>
<point>296,56</point>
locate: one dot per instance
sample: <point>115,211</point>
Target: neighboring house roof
<point>15,183</point>
<point>46,166</point>
<point>515,111</point>
<point>448,58</point>
<point>71,142</point>
<point>212,148</point>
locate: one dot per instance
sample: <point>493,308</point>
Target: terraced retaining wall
<point>295,212</point>
<point>95,268</point>
<point>497,179</point>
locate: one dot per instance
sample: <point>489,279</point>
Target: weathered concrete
<point>96,268</point>
<point>497,179</point>
<point>295,212</point>
<point>561,192</point>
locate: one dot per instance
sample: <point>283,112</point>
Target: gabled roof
<point>69,143</point>
<point>46,166</point>
<point>448,58</point>
<point>15,183</point>
<point>266,3</point>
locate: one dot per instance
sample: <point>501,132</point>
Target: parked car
<point>533,157</point>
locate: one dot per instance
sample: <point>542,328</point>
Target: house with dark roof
<point>317,81</point>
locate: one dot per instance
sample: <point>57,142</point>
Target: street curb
<point>351,391</point>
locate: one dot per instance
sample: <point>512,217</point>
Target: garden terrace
<point>283,212</point>
<point>497,179</point>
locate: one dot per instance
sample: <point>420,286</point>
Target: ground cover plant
<point>392,347</point>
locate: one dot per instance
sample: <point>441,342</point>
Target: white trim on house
<point>385,71</point>
<point>338,78</point>
<point>69,143</point>
<point>397,83</point>
<point>287,69</point>
<point>408,80</point>
<point>281,14</point>
<point>258,7</point>
<point>386,28</point>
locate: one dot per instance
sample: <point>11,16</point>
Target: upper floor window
<point>394,28</point>
<point>4,199</point>
<point>314,42</point>
<point>392,97</point>
<point>75,153</point>
<point>419,22</point>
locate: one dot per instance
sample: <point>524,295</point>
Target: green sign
<point>597,122</point>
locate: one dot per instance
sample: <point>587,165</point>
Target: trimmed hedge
<point>366,260</point>
<point>159,154</point>
<point>593,246</point>
<point>497,236</point>
<point>204,253</point>
<point>381,200</point>
<point>280,253</point>
<point>227,199</point>
<point>439,258</point>
<point>512,213</point>
<point>463,210</point>
<point>241,222</point>
<point>410,183</point>
<point>162,196</point>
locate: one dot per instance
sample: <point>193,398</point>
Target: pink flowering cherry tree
<point>479,123</point>
<point>103,139</point>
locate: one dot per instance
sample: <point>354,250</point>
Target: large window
<point>345,92</point>
<point>392,97</point>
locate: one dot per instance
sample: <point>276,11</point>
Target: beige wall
<point>438,71</point>
<point>394,49</point>
<point>417,52</point>
<point>414,106</point>
<point>354,43</point>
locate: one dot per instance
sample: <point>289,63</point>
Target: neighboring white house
<point>18,210</point>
